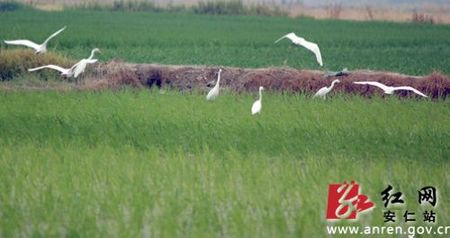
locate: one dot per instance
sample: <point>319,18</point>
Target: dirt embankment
<point>115,74</point>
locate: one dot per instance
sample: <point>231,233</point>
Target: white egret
<point>81,66</point>
<point>256,107</point>
<point>42,48</point>
<point>307,44</point>
<point>75,70</point>
<point>325,90</point>
<point>389,89</point>
<point>214,92</point>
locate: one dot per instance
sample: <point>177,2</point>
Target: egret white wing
<point>256,107</point>
<point>54,34</point>
<point>79,67</point>
<point>213,93</point>
<point>376,84</point>
<point>50,66</point>
<point>92,61</point>
<point>411,89</point>
<point>295,39</point>
<point>315,49</point>
<point>75,65</point>
<point>23,42</point>
<point>291,36</point>
<point>321,92</point>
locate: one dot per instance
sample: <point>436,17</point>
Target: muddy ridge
<point>115,74</point>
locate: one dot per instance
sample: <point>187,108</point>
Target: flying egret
<point>256,107</point>
<point>42,48</point>
<point>64,71</point>
<point>323,91</point>
<point>81,66</point>
<point>390,90</point>
<point>307,44</point>
<point>75,70</point>
<point>214,92</point>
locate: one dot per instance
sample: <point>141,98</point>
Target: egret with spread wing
<point>81,66</point>
<point>325,90</point>
<point>75,70</point>
<point>214,92</point>
<point>256,107</point>
<point>307,44</point>
<point>389,89</point>
<point>42,48</point>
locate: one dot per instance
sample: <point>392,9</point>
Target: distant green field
<point>139,163</point>
<point>244,41</point>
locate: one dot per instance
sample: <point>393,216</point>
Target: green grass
<point>139,163</point>
<point>289,124</point>
<point>243,41</point>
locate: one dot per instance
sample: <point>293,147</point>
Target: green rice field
<point>241,41</point>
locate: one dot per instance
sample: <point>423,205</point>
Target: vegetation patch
<point>14,63</point>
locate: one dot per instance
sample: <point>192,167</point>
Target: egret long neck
<point>260,95</point>
<point>218,79</point>
<point>92,55</point>
<point>332,84</point>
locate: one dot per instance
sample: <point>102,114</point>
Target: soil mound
<point>115,74</point>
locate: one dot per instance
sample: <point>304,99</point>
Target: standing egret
<point>256,107</point>
<point>42,48</point>
<point>323,91</point>
<point>389,89</point>
<point>81,66</point>
<point>214,92</point>
<point>307,44</point>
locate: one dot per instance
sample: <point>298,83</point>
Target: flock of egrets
<point>74,71</point>
<point>80,67</point>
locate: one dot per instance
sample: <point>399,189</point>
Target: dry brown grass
<point>112,75</point>
<point>334,10</point>
<point>419,17</point>
<point>439,15</point>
